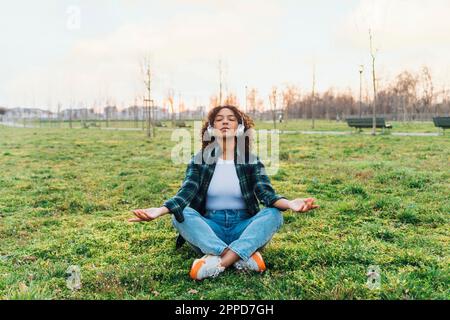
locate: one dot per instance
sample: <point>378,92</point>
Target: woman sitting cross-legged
<point>216,210</point>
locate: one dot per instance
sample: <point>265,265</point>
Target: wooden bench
<point>159,124</point>
<point>181,124</point>
<point>360,123</point>
<point>88,125</point>
<point>442,122</point>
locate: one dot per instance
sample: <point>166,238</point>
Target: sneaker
<point>255,263</point>
<point>205,267</point>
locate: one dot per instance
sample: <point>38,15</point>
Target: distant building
<point>197,114</point>
<point>132,113</point>
<point>140,113</point>
<point>111,113</point>
<point>78,114</point>
<point>2,112</point>
<point>27,113</point>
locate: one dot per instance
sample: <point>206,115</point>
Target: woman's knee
<point>275,214</point>
<point>189,215</point>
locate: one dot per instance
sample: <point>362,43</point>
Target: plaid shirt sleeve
<point>263,188</point>
<point>186,193</point>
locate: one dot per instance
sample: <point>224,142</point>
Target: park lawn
<point>291,125</point>
<point>65,196</point>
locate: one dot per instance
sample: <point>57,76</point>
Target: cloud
<point>406,33</point>
<point>397,24</point>
<point>184,51</point>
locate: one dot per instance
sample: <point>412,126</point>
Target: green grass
<point>291,125</point>
<point>65,196</point>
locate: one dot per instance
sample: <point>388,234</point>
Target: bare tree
<point>2,113</point>
<point>313,95</point>
<point>290,96</point>
<point>246,99</point>
<point>260,107</point>
<point>373,55</point>
<point>181,106</point>
<point>136,113</point>
<point>170,97</point>
<point>395,98</point>
<point>213,101</point>
<point>220,82</point>
<point>361,70</point>
<point>427,90</point>
<point>273,105</point>
<point>70,116</point>
<point>251,97</point>
<point>148,103</point>
<point>405,88</point>
<point>231,99</point>
<point>58,115</point>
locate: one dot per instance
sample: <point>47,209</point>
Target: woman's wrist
<point>282,204</point>
<point>164,210</point>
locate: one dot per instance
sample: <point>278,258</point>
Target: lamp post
<point>246,99</point>
<point>361,69</point>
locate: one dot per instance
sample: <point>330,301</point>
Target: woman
<point>216,209</point>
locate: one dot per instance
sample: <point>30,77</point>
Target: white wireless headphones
<point>239,131</point>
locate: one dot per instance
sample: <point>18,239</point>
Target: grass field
<point>65,196</point>
<point>294,124</point>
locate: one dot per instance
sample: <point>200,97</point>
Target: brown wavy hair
<point>241,116</point>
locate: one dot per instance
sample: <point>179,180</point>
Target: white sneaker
<point>205,267</point>
<point>255,263</point>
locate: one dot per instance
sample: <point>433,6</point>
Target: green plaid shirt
<point>253,180</point>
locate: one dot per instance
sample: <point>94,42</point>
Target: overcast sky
<point>89,51</point>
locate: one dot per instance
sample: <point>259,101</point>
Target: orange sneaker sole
<point>259,261</point>
<point>194,270</point>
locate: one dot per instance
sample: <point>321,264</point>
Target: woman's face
<point>225,123</point>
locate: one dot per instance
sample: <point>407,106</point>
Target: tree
<point>373,53</point>
<point>148,103</point>
<point>427,90</point>
<point>273,105</point>
<point>290,96</point>
<point>231,99</point>
<point>313,96</point>
<point>2,112</point>
<point>181,106</point>
<point>213,101</point>
<point>405,89</point>
<point>260,107</point>
<point>170,96</point>
<point>251,98</point>
<point>58,115</point>
<point>327,102</point>
<point>220,82</point>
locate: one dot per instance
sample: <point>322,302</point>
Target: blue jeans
<point>236,230</point>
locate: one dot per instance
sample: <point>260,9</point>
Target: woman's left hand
<point>302,205</point>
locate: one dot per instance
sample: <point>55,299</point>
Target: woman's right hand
<point>144,215</point>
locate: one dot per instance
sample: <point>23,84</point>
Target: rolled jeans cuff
<point>241,254</point>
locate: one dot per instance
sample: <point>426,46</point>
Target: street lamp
<point>361,69</point>
<point>246,99</point>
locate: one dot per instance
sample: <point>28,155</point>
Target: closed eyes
<point>230,119</point>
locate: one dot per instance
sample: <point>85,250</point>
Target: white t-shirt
<point>224,191</point>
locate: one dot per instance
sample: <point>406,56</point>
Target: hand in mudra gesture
<point>302,205</point>
<point>144,215</point>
